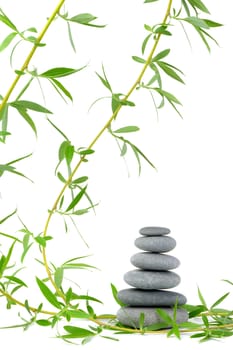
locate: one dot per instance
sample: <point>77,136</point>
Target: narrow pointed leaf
<point>161,55</point>
<point>6,42</point>
<point>127,129</point>
<point>8,216</point>
<point>58,276</point>
<point>115,295</point>
<point>48,294</point>
<point>170,71</point>
<point>77,332</point>
<point>77,199</point>
<point>59,72</point>
<point>22,104</point>
<point>6,20</point>
<point>28,119</point>
<point>219,301</point>
<point>199,4</point>
<point>16,280</point>
<point>59,87</point>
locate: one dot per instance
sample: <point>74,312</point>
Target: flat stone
<point>156,244</point>
<point>130,316</point>
<point>152,279</point>
<point>154,261</point>
<point>154,231</point>
<point>139,297</point>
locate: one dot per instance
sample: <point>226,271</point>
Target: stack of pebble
<point>149,279</point>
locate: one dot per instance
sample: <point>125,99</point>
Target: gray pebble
<point>139,297</point>
<point>154,231</point>
<point>157,244</point>
<point>154,261</point>
<point>130,316</point>
<point>152,279</point>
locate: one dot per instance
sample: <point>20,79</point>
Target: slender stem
<point>108,123</point>
<point>31,53</point>
<point>33,309</point>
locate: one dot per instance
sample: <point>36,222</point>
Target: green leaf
<point>219,301</point>
<point>85,297</point>
<point>62,149</point>
<point>196,22</point>
<point>79,180</point>
<point>163,30</point>
<point>104,79</point>
<point>5,259</point>
<point>77,332</point>
<point>69,153</point>
<point>145,42</point>
<point>28,119</point>
<point>227,281</point>
<point>24,105</point>
<point>58,276</point>
<point>60,88</point>
<point>6,42</point>
<point>11,169</point>
<point>199,4</point>
<point>8,216</point>
<point>61,178</point>
<point>195,310</point>
<point>77,199</point>
<point>6,20</point>
<point>70,36</point>
<point>147,1</point>
<point>48,294</point>
<point>170,97</point>
<point>141,321</point>
<point>77,266</point>
<point>85,19</point>
<point>86,152</point>
<point>78,314</point>
<point>115,295</point>
<point>59,72</point>
<point>169,71</point>
<point>127,129</point>
<point>212,24</point>
<point>16,280</point>
<point>44,323</point>
<point>59,130</point>
<point>138,59</point>
<point>164,316</point>
<point>161,55</point>
<point>124,149</point>
<point>202,300</point>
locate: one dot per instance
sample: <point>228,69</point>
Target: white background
<point>191,192</point>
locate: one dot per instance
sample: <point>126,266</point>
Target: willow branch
<point>31,54</point>
<point>105,127</point>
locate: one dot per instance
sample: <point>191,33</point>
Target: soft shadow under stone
<point>130,316</point>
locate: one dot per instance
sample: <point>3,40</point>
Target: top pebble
<point>154,231</point>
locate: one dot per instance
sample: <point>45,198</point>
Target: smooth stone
<point>154,231</point>
<point>130,316</point>
<point>154,261</point>
<point>139,297</point>
<point>152,279</point>
<point>158,244</point>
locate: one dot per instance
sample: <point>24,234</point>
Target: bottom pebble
<point>130,316</point>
